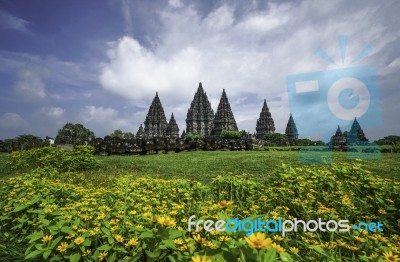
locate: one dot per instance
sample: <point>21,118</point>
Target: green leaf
<point>67,230</point>
<point>105,247</point>
<point>46,254</point>
<point>75,257</point>
<point>154,254</point>
<point>285,257</point>
<point>55,242</point>
<point>269,256</point>
<point>35,236</point>
<point>106,231</point>
<point>34,254</point>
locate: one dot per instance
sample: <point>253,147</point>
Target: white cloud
<point>53,112</point>
<point>30,86</point>
<point>10,21</point>
<point>105,119</point>
<point>250,55</point>
<point>175,3</point>
<point>12,121</point>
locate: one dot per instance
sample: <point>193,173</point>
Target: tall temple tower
<point>155,124</point>
<point>224,119</point>
<point>265,124</point>
<point>200,115</point>
<point>172,128</point>
<point>291,130</point>
<point>356,134</point>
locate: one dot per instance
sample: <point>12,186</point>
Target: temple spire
<point>291,130</point>
<point>265,123</point>
<point>155,123</point>
<point>200,115</point>
<point>172,128</point>
<point>224,119</point>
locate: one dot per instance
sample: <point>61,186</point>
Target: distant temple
<point>356,134</point>
<point>172,128</point>
<point>155,124</point>
<point>224,119</point>
<point>265,124</point>
<point>291,130</point>
<point>338,139</point>
<point>200,116</point>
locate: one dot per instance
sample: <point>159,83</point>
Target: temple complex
<point>265,123</point>
<point>200,116</point>
<point>155,124</point>
<point>291,130</point>
<point>224,119</point>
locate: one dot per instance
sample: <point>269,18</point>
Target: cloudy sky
<point>100,63</point>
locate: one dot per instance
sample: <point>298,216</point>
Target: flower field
<point>58,216</point>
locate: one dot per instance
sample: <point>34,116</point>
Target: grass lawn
<point>202,165</point>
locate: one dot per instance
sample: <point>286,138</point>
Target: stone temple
<point>201,119</point>
<point>155,124</point>
<point>265,124</point>
<point>200,116</point>
<point>224,119</point>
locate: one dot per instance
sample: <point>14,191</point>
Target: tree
<point>128,136</point>
<point>276,139</point>
<point>75,134</point>
<point>117,133</point>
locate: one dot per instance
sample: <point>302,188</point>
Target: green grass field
<point>203,165</point>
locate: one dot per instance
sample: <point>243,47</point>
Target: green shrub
<point>81,158</point>
<point>231,134</point>
<point>193,136</point>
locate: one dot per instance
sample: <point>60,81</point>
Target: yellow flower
<point>198,258</point>
<point>225,204</point>
<point>277,238</point>
<point>294,250</point>
<point>87,253</point>
<point>79,240</point>
<point>274,215</point>
<point>166,221</point>
<point>258,241</point>
<point>102,255</point>
<point>132,242</point>
<point>389,257</point>
<point>118,238</point>
<point>47,238</point>
<point>62,247</point>
<point>278,248</point>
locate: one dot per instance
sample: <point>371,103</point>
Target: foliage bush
<point>145,219</point>
<point>231,134</point>
<point>193,136</point>
<point>80,158</point>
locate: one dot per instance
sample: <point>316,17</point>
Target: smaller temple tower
<point>140,132</point>
<point>356,134</point>
<point>224,119</point>
<point>172,128</point>
<point>155,124</point>
<point>338,139</point>
<point>291,130</point>
<point>265,124</point>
